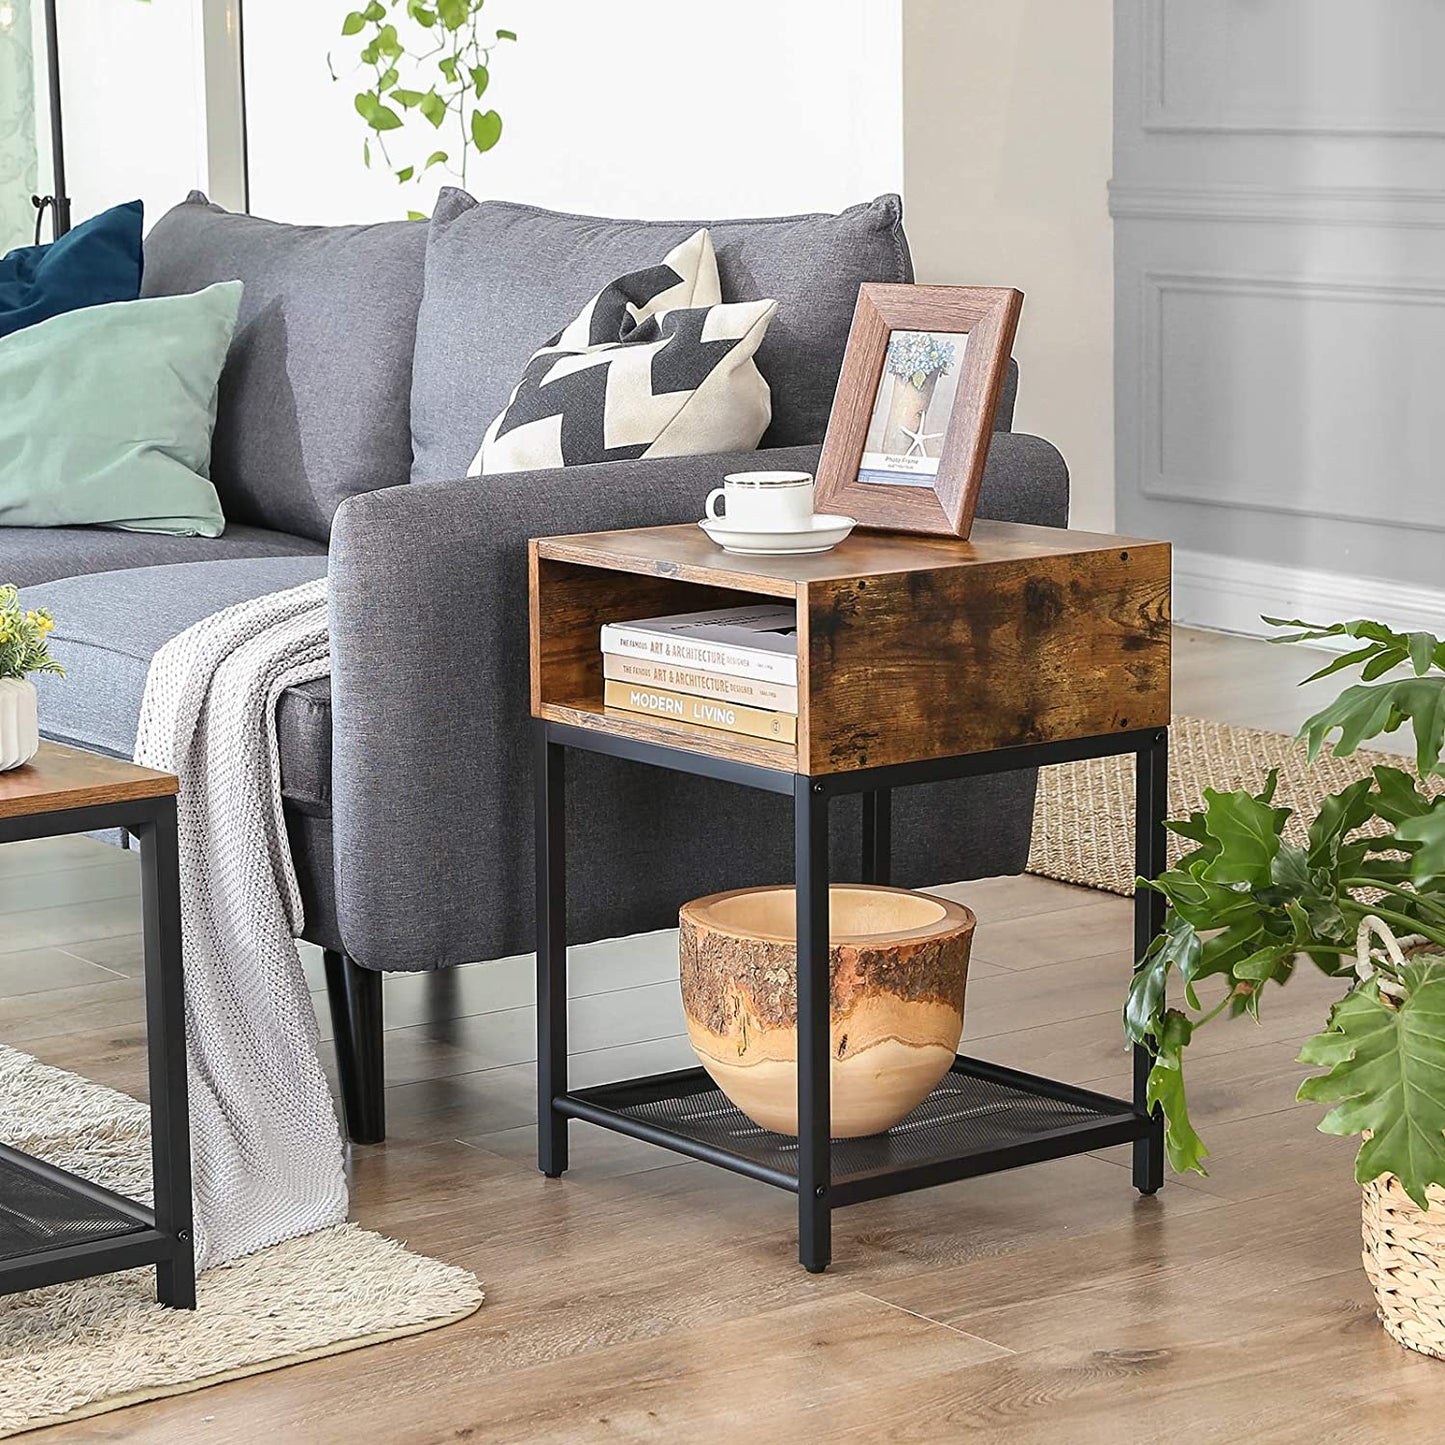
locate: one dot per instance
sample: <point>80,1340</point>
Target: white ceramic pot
<point>19,722</point>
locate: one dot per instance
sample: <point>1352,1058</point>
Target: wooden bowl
<point>898,967</point>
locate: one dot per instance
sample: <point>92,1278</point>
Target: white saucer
<point>821,534</point>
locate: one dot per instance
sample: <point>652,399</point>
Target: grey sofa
<point>367,362</point>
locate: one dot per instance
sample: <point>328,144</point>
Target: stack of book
<point>733,668</point>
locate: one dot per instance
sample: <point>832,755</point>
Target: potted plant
<point>22,652</point>
<point>1363,899</point>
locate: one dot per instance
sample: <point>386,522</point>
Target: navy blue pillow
<point>98,261</point>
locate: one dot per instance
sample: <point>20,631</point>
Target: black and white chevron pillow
<point>655,365</point>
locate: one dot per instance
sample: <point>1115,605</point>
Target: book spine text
<point>657,647</point>
<point>702,711</point>
<point>751,692</point>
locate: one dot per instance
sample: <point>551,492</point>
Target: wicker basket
<point>1405,1260</point>
<point>1404,1244</point>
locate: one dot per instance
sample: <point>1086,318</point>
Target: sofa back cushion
<point>314,397</point>
<point>501,278</point>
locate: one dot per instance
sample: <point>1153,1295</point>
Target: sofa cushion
<point>500,276</point>
<point>314,397</point>
<point>29,555</point>
<point>109,625</point>
<point>109,412</point>
<point>98,261</point>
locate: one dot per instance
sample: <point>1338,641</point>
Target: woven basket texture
<point>1405,1260</point>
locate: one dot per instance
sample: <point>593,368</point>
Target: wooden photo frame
<point>930,482</point>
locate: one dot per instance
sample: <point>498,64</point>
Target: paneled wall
<point>1279,205</point>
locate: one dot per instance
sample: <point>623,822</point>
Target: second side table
<point>1021,647</point>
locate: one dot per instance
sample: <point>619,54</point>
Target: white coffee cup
<point>764,501</point>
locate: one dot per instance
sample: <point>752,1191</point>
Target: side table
<point>55,1226</point>
<point>919,659</point>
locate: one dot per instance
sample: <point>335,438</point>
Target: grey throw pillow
<point>499,276</point>
<point>314,402</point>
<point>654,365</point>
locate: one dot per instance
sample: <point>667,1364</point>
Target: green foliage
<point>22,638</point>
<point>429,59</point>
<point>1247,905</point>
<point>1386,1062</point>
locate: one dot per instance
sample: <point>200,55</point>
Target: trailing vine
<point>428,61</point>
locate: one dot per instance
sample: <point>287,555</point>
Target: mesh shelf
<point>37,1215</point>
<point>981,1117</point>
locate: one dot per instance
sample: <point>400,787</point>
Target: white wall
<point>1008,136</point>
<point>645,107</point>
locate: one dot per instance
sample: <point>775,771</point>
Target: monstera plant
<point>1363,900</point>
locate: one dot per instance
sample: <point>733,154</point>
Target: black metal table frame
<point>818,1193</point>
<point>162,1234</point>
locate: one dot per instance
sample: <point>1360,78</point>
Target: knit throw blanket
<point>267,1153</point>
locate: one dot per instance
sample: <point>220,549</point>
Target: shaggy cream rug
<point>1084,813</point>
<point>96,1345</point>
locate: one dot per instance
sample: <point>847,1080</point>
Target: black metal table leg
<point>815,1105</point>
<point>878,836</point>
<point>166,1052</point>
<point>1151,804</point>
<point>550,795</point>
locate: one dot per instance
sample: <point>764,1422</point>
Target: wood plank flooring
<point>649,1298</point>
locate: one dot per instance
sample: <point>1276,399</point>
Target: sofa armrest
<point>429,654</point>
<point>431,761</point>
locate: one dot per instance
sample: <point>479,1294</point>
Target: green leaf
<point>506,35</point>
<point>366,152</point>
<point>436,158</point>
<point>1383,662</point>
<point>1344,660</point>
<point>480,79</point>
<point>408,98</point>
<point>366,104</point>
<point>374,11</point>
<point>1165,1091</point>
<point>453,14</point>
<point>486,129</point>
<point>433,107</point>
<point>448,67</point>
<point>386,79</point>
<point>1428,832</point>
<point>1178,947</point>
<point>1339,815</point>
<point>405,174</point>
<point>387,42</point>
<point>1396,797</point>
<point>385,118</point>
<point>1387,1077</point>
<point>1247,830</point>
<point>354,23</point>
<point>1365,711</point>
<point>417,216</point>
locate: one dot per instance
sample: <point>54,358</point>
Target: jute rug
<point>1084,815</point>
<point>82,1349</point>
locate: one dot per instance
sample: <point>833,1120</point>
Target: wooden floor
<point>648,1298</point>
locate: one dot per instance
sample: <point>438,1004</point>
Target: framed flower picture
<point>913,415</point>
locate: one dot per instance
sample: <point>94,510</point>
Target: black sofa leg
<point>355,995</point>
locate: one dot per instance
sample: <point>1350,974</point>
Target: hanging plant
<point>430,66</point>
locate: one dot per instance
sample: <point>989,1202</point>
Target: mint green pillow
<point>107,415</point>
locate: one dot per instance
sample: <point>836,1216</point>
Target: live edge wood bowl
<point>898,967</point>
